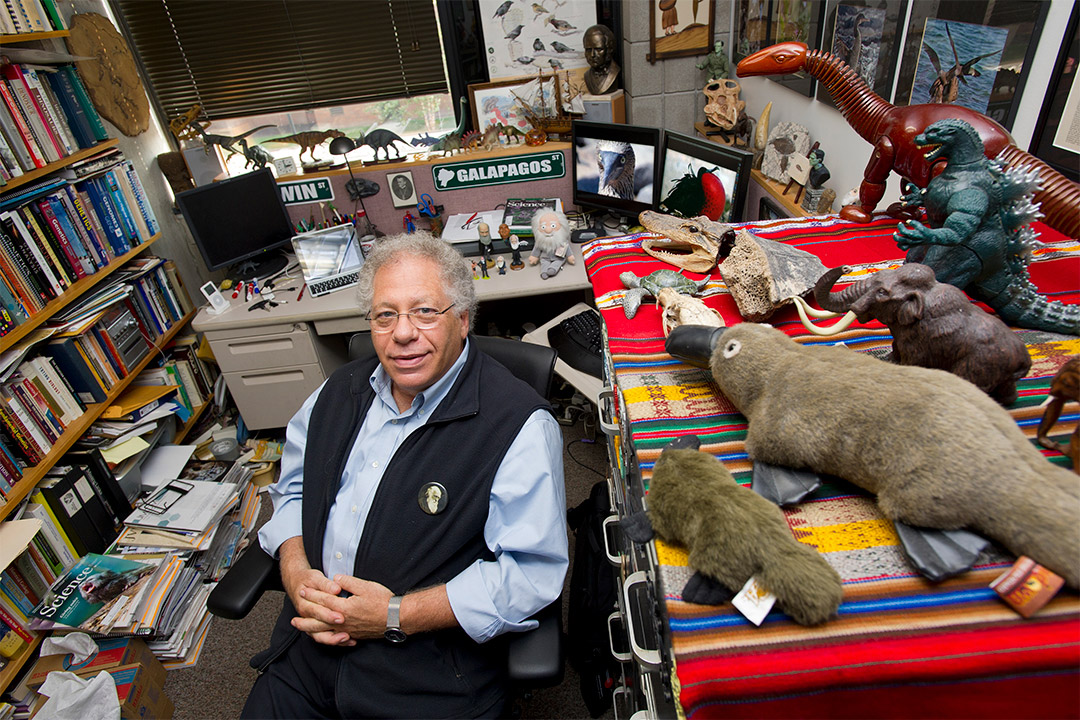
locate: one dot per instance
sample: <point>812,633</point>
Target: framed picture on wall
<point>761,23</point>
<point>402,189</point>
<point>521,37</point>
<point>865,34</point>
<point>679,28</point>
<point>973,53</point>
<point>1053,142</point>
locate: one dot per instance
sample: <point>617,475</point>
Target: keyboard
<point>329,285</point>
<point>578,342</point>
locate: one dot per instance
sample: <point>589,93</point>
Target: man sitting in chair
<point>420,512</point>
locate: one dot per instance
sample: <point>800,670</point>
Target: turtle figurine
<point>638,287</point>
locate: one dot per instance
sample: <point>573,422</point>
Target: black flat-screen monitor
<point>239,221</point>
<point>699,177</point>
<point>615,167</point>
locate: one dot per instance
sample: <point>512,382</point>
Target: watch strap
<point>393,613</point>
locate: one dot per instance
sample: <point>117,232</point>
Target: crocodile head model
<point>695,244</point>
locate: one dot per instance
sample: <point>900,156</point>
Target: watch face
<point>395,635</point>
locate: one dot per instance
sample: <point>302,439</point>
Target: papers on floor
<point>164,463</point>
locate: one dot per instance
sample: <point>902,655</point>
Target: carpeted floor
<point>218,685</point>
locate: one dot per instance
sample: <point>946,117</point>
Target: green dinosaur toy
<point>978,237</point>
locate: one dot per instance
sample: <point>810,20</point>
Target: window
<point>297,65</point>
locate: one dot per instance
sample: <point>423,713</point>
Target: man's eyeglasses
<point>423,318</point>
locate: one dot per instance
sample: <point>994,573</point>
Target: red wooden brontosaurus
<point>891,130</point>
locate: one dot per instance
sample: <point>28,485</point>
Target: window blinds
<point>264,56</point>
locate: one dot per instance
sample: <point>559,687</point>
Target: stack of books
<point>28,16</point>
<point>45,114</point>
<point>57,231</point>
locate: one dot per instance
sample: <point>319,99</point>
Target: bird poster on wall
<point>522,37</point>
<point>958,63</point>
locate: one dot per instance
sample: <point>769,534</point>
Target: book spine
<point>131,231</point>
<point>15,593</point>
<point>130,201</point>
<point>141,198</point>
<point>60,391</point>
<point>15,247</point>
<point>69,223</point>
<point>48,498</point>
<point>143,298</point>
<point>7,13</point>
<point>176,282</point>
<point>62,121</point>
<point>56,405</point>
<point>11,271</point>
<point>11,161</point>
<point>174,378</point>
<point>27,423</point>
<point>34,574</point>
<point>69,105</point>
<point>45,557</point>
<point>84,99</point>
<point>28,106</point>
<point>183,369</point>
<point>23,127</point>
<point>52,531</point>
<point>15,136</point>
<point>31,398</point>
<point>162,283</point>
<point>70,244</point>
<point>43,265</point>
<point>84,248</point>
<point>111,352</point>
<point>48,406</point>
<point>22,441</point>
<point>107,214</point>
<point>94,228</point>
<point>50,239</point>
<point>18,626</point>
<point>12,470</point>
<point>48,112</point>
<point>74,367</point>
<point>56,20</point>
<point>95,358</point>
<point>146,328</point>
<point>9,300</point>
<point>23,405</point>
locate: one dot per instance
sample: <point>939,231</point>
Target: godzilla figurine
<point>978,238</point>
<point>890,130</point>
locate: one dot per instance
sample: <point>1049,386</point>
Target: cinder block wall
<point>667,93</point>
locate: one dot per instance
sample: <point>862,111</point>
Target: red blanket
<point>966,651</point>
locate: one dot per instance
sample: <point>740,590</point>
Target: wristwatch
<point>394,632</point>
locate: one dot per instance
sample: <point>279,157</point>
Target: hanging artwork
<point>1010,33</point>
<point>1056,139</point>
<point>761,23</point>
<point>521,36</point>
<point>865,34</point>
<point>957,64</point>
<point>680,28</point>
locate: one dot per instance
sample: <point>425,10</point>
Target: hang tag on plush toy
<point>754,601</point>
<point>560,251</point>
<point>1027,586</point>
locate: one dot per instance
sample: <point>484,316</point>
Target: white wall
<point>846,152</point>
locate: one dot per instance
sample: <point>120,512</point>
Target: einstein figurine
<point>551,249</point>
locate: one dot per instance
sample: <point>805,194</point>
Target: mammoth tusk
<point>804,310</point>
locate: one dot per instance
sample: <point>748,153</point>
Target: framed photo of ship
<point>961,33</point>
<point>865,34</point>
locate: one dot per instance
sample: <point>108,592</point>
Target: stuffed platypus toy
<point>937,452</point>
<point>732,534</point>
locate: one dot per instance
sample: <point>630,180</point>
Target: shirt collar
<point>429,398</point>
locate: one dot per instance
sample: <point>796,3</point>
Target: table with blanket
<point>900,646</point>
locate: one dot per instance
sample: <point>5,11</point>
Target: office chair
<point>534,658</point>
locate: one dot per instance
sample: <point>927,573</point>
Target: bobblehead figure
<point>551,237</point>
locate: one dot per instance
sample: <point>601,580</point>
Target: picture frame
<point>684,159</point>
<point>494,102</point>
<point>521,37</point>
<point>761,23</point>
<point>1064,85</point>
<point>879,30</point>
<point>402,188</point>
<point>1019,23</point>
<point>675,31</point>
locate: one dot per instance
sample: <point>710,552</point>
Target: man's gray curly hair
<point>454,272</point>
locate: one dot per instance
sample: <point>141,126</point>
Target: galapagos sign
<point>499,171</point>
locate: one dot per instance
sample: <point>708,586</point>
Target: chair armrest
<point>535,658</point>
<point>243,584</point>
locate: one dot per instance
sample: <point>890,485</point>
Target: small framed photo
<point>402,189</point>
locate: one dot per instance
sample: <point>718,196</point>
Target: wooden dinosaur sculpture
<point>892,130</point>
<point>308,140</point>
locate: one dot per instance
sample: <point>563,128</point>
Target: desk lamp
<point>357,189</point>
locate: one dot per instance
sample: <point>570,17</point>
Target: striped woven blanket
<point>894,628</point>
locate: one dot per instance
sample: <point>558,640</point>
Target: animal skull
<point>724,104</point>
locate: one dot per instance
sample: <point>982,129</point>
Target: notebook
<point>329,258</point>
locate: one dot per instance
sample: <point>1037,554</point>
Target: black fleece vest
<point>438,674</point>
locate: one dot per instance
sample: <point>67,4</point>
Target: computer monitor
<point>699,177</point>
<point>239,221</point>
<point>614,167</point>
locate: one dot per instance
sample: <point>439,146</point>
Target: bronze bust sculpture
<point>603,70</point>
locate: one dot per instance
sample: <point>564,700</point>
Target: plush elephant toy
<point>933,325</point>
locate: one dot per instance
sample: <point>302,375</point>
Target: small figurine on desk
<point>485,245</point>
<point>500,264</point>
<point>409,223</point>
<point>716,64</point>
<point>475,273</point>
<point>551,234</point>
<point>515,253</point>
<point>504,232</point>
<point>484,270</point>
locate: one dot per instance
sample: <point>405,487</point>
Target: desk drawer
<point>293,346</point>
<point>268,398</point>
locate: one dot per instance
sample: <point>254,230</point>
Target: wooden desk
<point>272,360</point>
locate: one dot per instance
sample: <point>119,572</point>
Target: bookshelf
<point>15,664</point>
<point>9,38</point>
<point>73,432</point>
<point>183,432</point>
<point>32,175</point>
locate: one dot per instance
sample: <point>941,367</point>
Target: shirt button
<point>375,464</point>
<point>337,555</point>
<point>394,421</point>
<point>354,508</point>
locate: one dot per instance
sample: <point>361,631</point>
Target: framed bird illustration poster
<point>974,53</point>
<point>680,28</point>
<point>523,36</point>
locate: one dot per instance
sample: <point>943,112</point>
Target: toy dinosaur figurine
<point>225,142</point>
<point>309,140</point>
<point>978,239</point>
<point>890,129</point>
<point>382,139</point>
<point>450,142</point>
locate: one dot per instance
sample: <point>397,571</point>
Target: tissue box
<point>141,693</point>
<point>112,653</point>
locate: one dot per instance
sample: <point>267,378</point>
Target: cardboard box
<point>142,697</point>
<point>112,653</point>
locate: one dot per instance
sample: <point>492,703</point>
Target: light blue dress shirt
<point>525,528</point>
